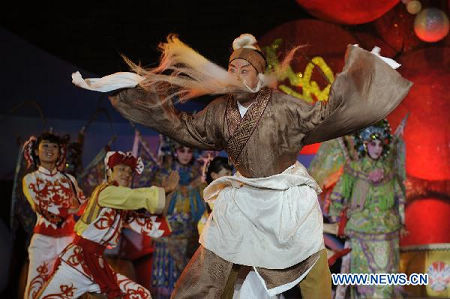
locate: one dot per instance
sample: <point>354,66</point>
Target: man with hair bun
<point>267,215</point>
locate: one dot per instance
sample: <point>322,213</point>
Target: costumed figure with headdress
<point>55,197</point>
<point>258,219</point>
<point>186,206</point>
<point>81,267</point>
<point>368,202</point>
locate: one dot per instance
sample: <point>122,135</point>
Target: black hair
<point>50,137</point>
<point>381,131</point>
<point>216,165</point>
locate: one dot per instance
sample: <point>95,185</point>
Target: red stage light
<point>348,11</point>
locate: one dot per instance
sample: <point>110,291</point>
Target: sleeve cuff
<point>161,200</point>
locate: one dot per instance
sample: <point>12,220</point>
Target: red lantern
<point>348,11</point>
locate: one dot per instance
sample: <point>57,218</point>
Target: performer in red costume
<point>55,197</point>
<point>81,267</point>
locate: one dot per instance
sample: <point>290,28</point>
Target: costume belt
<point>102,273</point>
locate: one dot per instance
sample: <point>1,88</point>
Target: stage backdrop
<point>427,130</point>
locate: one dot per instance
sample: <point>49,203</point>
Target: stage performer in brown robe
<point>267,215</point>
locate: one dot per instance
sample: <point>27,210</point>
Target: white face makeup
<point>244,72</point>
<point>374,149</point>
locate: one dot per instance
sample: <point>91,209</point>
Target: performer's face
<point>184,155</point>
<point>122,174</point>
<point>244,72</point>
<point>374,148</point>
<point>48,152</point>
<point>221,173</point>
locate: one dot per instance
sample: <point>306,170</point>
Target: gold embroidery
<point>241,129</point>
<point>232,115</point>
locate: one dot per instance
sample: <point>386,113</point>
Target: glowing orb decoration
<point>348,11</point>
<point>431,25</point>
<point>414,7</point>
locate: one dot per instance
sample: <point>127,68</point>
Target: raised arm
<point>201,130</point>
<point>152,199</point>
<point>365,92</point>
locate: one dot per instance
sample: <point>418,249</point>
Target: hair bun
<point>245,40</point>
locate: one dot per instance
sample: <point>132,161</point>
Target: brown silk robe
<point>266,141</point>
<point>268,138</point>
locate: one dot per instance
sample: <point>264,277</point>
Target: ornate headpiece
<point>168,147</point>
<point>246,47</point>
<point>32,144</point>
<point>114,158</point>
<point>380,131</point>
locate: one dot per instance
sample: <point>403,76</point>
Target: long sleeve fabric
<point>201,130</point>
<point>111,207</point>
<point>327,165</point>
<point>366,91</point>
<point>122,198</point>
<point>400,201</point>
<point>268,138</point>
<point>340,195</point>
<point>151,225</point>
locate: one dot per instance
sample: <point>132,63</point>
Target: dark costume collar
<point>240,129</point>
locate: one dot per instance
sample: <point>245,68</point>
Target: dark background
<point>91,35</point>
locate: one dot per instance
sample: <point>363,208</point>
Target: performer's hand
<point>171,182</point>
<point>114,99</point>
